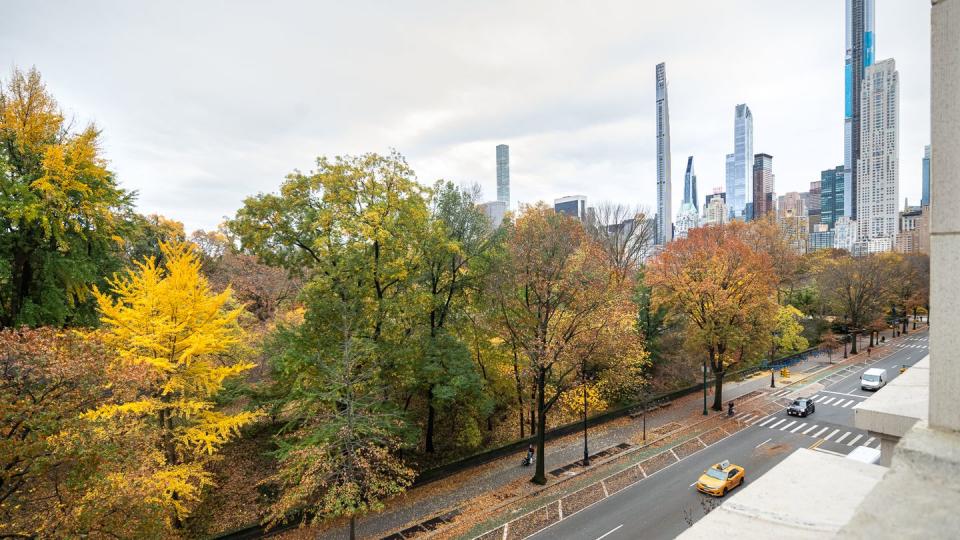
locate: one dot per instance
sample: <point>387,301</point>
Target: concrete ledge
<point>785,502</point>
<point>919,497</point>
<point>896,407</point>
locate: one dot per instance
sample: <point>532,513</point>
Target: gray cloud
<point>205,103</point>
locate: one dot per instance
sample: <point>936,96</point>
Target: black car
<point>801,407</point>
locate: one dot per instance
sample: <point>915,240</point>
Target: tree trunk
<point>871,339</point>
<point>431,418</point>
<point>914,318</point>
<point>905,321</point>
<point>353,528</point>
<point>540,476</point>
<point>853,342</point>
<point>718,390</point>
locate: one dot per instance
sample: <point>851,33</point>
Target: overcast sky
<point>205,103</point>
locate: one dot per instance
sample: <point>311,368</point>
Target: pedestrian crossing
<point>804,426</point>
<point>782,392</point>
<point>836,401</point>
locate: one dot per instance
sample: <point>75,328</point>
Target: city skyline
<point>221,126</point>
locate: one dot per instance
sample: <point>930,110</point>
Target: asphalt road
<point>660,506</point>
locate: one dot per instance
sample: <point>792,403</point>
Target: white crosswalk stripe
<point>847,404</point>
<point>785,426</point>
<point>828,401</point>
<point>769,418</point>
<point>794,430</point>
<point>809,429</point>
<point>777,423</point>
<point>746,418</point>
<point>822,398</point>
<point>870,440</point>
<point>854,440</point>
<point>827,438</point>
<point>842,437</point>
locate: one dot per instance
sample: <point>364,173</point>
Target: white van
<point>873,379</point>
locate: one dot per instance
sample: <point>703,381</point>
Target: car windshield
<point>714,473</point>
<point>799,403</point>
<point>871,378</point>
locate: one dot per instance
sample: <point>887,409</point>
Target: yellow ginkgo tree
<point>173,337</point>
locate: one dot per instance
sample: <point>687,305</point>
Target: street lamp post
<point>586,454</point>
<point>704,386</point>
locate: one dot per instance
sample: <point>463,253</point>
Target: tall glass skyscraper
<point>503,174</point>
<point>690,185</point>
<point>925,196</point>
<point>664,211</point>
<point>859,55</point>
<point>740,171</point>
<point>831,195</point>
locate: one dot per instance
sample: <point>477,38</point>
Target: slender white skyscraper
<point>664,210</point>
<point>878,169</point>
<point>503,174</point>
<point>740,182</point>
<point>859,55</point>
<point>690,185</point>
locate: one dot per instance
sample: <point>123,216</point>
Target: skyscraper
<point>739,191</point>
<point>762,185</point>
<point>859,55</point>
<point>925,197</point>
<point>503,174</point>
<point>878,168</point>
<point>690,186</point>
<point>831,195</point>
<point>574,206</point>
<point>664,211</point>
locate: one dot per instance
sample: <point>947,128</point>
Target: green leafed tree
<point>60,210</point>
<point>353,229</point>
<point>457,237</point>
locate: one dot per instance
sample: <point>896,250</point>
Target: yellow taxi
<point>720,478</point>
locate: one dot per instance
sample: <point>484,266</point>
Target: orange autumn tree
<point>726,291</point>
<point>562,305</point>
<point>172,334</point>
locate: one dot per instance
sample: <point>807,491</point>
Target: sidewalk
<point>506,478</point>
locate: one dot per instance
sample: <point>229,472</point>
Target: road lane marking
<point>841,393</point>
<point>794,430</point>
<point>746,418</point>
<point>769,418</point>
<point>847,404</point>
<point>604,535</point>
<point>785,426</point>
<point>870,440</point>
<point>827,438</point>
<point>764,442</point>
<point>816,444</point>
<point>842,437</point>
<point>777,423</point>
<point>827,402</point>
<point>854,441</point>
<point>809,429</point>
